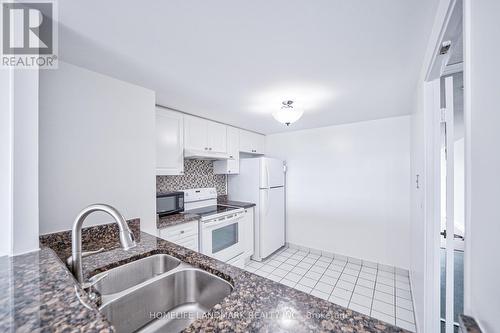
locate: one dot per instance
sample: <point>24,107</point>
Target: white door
<point>169,142</point>
<point>271,220</point>
<point>216,137</point>
<point>195,133</point>
<point>272,173</point>
<point>452,206</point>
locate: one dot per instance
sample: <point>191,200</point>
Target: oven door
<point>222,238</point>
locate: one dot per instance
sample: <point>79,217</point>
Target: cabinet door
<point>233,166</point>
<point>251,143</point>
<point>216,137</point>
<point>233,142</point>
<point>259,143</point>
<point>195,133</point>
<point>246,141</point>
<point>169,142</point>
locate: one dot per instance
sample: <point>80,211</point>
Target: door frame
<point>432,116</point>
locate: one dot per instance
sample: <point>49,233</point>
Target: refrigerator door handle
<point>266,208</point>
<point>267,177</point>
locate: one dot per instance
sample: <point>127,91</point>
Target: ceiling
<point>235,61</point>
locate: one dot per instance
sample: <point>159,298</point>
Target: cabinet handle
<point>206,148</point>
<point>228,171</point>
<point>182,231</point>
<point>209,148</point>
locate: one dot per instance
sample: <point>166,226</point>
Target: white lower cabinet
<point>185,234</point>
<point>248,224</point>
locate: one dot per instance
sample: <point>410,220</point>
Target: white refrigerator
<point>262,181</point>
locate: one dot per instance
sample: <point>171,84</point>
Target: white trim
<point>430,72</point>
<point>26,252</point>
<point>453,69</point>
<point>443,17</point>
<point>432,133</point>
<point>197,116</point>
<point>467,155</point>
<point>415,312</point>
<point>450,217</point>
<point>11,176</point>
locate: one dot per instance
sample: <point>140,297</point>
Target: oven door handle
<point>218,222</point>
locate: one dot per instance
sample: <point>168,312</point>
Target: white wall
<point>482,229</point>
<point>6,148</point>
<point>19,161</point>
<point>97,144</point>
<point>348,188</point>
<point>25,157</point>
<point>417,220</point>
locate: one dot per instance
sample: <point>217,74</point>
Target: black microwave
<point>169,203</point>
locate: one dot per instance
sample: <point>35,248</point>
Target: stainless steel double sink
<point>158,293</point>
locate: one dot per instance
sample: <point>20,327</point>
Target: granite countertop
<point>468,324</point>
<point>222,200</point>
<point>39,294</point>
<point>170,220</point>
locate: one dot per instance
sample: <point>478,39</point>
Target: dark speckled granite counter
<point>38,294</point>
<point>170,220</point>
<point>468,324</point>
<point>222,200</point>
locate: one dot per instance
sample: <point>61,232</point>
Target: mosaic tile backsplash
<point>197,173</point>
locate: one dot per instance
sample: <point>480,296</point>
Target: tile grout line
<point>283,278</point>
<point>336,282</point>
<point>318,273</point>
<point>355,284</point>
<point>304,275</point>
<point>374,286</point>
<point>293,266</point>
<point>322,274</point>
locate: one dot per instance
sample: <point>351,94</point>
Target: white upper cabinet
<point>252,143</point>
<point>231,165</point>
<point>169,142</point>
<point>233,142</point>
<point>195,133</point>
<point>204,138</point>
<point>217,137</point>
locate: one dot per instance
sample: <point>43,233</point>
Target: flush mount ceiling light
<point>287,114</point>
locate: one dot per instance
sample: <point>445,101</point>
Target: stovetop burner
<point>211,210</point>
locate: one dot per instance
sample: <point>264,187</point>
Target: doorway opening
<point>446,127</point>
<point>452,202</point>
<point>452,172</point>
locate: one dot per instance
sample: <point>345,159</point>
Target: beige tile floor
<point>376,290</point>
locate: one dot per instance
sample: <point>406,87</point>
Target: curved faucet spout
<point>126,237</point>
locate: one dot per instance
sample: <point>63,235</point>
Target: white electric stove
<point>220,231</point>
